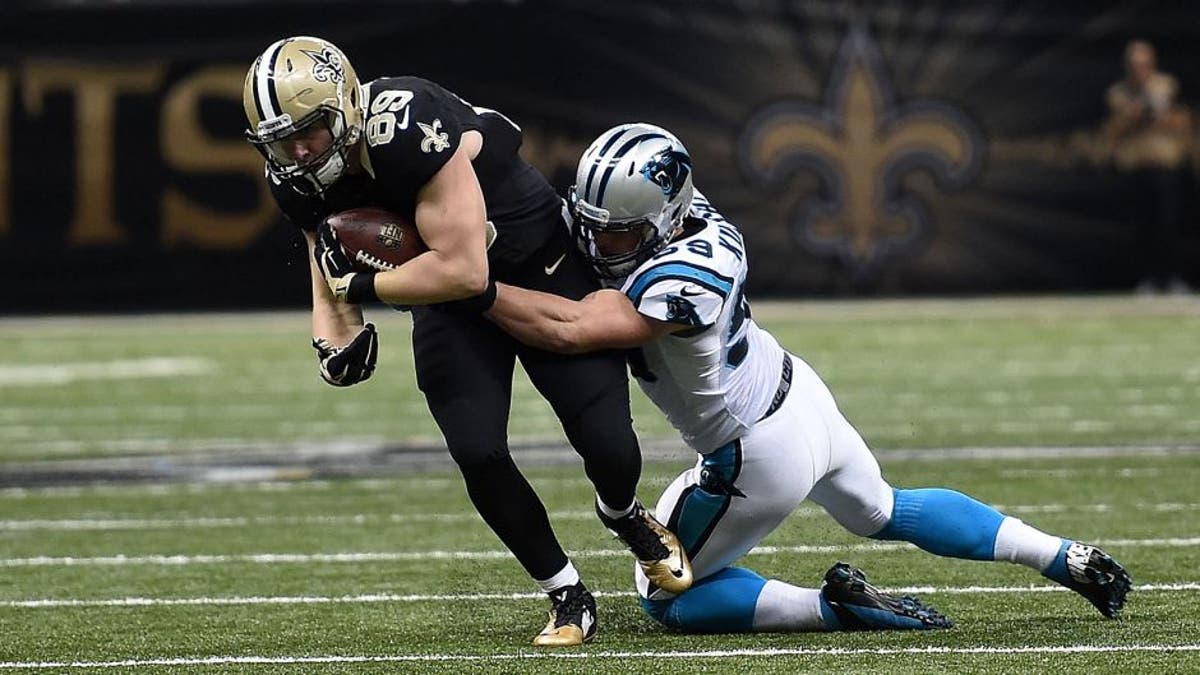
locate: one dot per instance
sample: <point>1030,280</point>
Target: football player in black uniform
<point>412,147</point>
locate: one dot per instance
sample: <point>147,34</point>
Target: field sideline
<point>1078,415</point>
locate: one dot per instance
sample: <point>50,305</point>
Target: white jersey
<point>716,379</point>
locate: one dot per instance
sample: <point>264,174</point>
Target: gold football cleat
<point>569,635</point>
<point>673,572</point>
<point>658,551</point>
<point>572,618</point>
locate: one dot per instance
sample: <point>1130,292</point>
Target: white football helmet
<point>633,178</point>
<point>299,82</point>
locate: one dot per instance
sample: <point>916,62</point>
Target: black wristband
<point>478,304</point>
<point>362,288</point>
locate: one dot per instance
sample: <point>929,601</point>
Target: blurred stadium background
<point>934,218</point>
<point>125,183</point>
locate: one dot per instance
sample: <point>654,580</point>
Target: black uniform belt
<point>785,385</point>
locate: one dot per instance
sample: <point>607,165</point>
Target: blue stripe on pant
<point>723,602</point>
<point>699,513</point>
<point>701,506</point>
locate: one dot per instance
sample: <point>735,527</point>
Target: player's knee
<point>862,507</point>
<point>868,522</point>
<point>862,518</point>
<point>660,611</point>
<point>475,433</point>
<point>722,603</point>
<point>603,423</point>
<point>595,407</point>
<point>483,463</point>
<point>678,614</point>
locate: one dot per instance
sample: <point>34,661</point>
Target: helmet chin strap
<point>323,178</point>
<point>343,159</point>
<point>332,170</point>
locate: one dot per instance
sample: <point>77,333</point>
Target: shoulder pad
<point>679,291</point>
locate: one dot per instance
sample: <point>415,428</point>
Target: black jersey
<point>412,128</point>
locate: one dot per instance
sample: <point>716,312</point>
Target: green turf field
<point>907,373</point>
<point>397,573</point>
<point>401,567</point>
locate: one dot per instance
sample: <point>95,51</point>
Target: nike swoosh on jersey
<point>551,268</point>
<point>691,291</point>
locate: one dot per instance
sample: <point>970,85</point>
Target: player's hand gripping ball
<point>376,240</point>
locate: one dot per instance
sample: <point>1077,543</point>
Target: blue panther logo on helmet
<point>668,170</point>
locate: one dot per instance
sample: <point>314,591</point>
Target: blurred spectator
<point>1148,135</point>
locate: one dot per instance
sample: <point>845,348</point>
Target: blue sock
<point>943,522</point>
<point>721,603</point>
<point>829,616</point>
<point>1057,571</point>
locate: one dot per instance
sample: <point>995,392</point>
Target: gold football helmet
<point>297,86</point>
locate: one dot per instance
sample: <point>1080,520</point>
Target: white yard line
<point>252,521</point>
<point>371,598</point>
<point>43,374</point>
<point>656,656</point>
<point>202,522</point>
<point>970,590</point>
<point>1075,472</point>
<point>401,556</point>
<point>1159,507</point>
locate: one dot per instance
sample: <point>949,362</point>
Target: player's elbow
<point>468,278</point>
<point>475,280</point>
<point>567,339</point>
<point>557,338</point>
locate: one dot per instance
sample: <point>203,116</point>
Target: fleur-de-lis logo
<point>433,140</point>
<point>862,145</point>
<point>327,65</point>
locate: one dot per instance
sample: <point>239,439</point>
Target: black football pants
<point>465,365</point>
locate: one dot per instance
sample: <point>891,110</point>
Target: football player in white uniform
<point>766,428</point>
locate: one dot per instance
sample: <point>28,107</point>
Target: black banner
<point>890,148</point>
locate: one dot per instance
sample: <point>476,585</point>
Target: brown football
<point>376,240</point>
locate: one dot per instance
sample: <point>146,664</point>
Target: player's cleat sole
<point>1092,573</point>
<point>572,618</point>
<point>657,549</point>
<point>860,606</point>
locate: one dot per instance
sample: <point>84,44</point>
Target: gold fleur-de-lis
<point>861,145</point>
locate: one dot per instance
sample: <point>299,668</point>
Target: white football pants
<point>805,449</point>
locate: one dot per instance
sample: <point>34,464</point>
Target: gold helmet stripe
<point>265,98</point>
